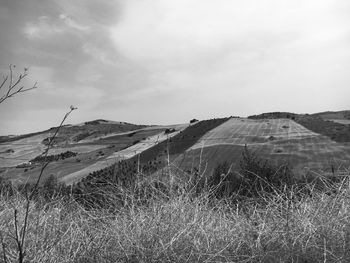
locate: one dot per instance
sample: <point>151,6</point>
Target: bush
<point>254,178</point>
<point>167,131</point>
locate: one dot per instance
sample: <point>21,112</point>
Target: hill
<point>334,115</point>
<point>278,140</point>
<point>92,146</point>
<point>306,142</point>
<point>336,130</point>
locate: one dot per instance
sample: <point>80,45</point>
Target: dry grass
<point>282,228</point>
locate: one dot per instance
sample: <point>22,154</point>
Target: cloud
<point>189,29</point>
<point>46,27</point>
<point>97,53</point>
<point>238,48</point>
<point>73,24</point>
<point>163,61</point>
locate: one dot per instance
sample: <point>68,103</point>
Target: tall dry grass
<point>283,227</point>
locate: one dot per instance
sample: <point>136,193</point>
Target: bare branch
<point>12,88</point>
<point>3,81</point>
<point>10,75</point>
<point>20,234</point>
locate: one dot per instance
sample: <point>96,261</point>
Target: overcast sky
<point>167,61</point>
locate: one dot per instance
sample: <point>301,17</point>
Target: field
<point>338,115</point>
<point>202,145</point>
<point>341,121</point>
<point>15,150</point>
<point>279,140</point>
<point>93,153</point>
<point>155,136</point>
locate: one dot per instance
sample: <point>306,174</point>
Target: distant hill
<point>326,115</point>
<point>77,132</point>
<point>334,115</point>
<point>306,141</point>
<point>274,115</point>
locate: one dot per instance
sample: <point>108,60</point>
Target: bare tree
<point>11,85</point>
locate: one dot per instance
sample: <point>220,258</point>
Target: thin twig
<point>12,88</point>
<point>20,235</point>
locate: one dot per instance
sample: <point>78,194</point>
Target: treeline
<point>54,157</point>
<point>274,115</point>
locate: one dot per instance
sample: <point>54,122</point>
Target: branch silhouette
<point>11,86</point>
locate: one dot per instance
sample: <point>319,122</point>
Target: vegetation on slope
<point>182,141</point>
<point>169,225</point>
<point>53,157</point>
<point>152,159</point>
<point>335,131</point>
<point>338,115</point>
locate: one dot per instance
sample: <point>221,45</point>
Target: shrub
<point>167,131</point>
<point>255,177</point>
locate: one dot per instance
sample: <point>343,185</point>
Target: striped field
<point>279,140</point>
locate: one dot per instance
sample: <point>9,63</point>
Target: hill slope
<point>279,140</point>
<point>306,142</point>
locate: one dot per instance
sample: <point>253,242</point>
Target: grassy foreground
<point>283,227</point>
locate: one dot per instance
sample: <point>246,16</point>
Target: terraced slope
<point>15,150</point>
<point>155,137</point>
<point>338,131</point>
<point>182,141</point>
<point>280,140</point>
<point>150,154</point>
<point>22,150</point>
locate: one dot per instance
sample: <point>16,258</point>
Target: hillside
<point>151,159</point>
<point>334,115</point>
<point>278,140</point>
<point>336,129</point>
<point>306,142</point>
<point>85,139</point>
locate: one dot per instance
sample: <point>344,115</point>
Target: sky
<point>168,61</point>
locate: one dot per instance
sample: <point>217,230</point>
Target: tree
<point>11,86</point>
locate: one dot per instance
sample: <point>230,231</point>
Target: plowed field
<point>279,140</point>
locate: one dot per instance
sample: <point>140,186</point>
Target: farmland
<point>279,140</point>
<point>155,136</point>
<point>96,145</point>
<point>94,152</point>
<point>18,149</point>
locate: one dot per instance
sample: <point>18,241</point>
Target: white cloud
<point>97,54</point>
<point>72,23</point>
<point>42,28</point>
<point>275,50</point>
<point>188,29</point>
<point>46,27</point>
<point>165,60</point>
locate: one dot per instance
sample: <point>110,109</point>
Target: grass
<point>284,227</point>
